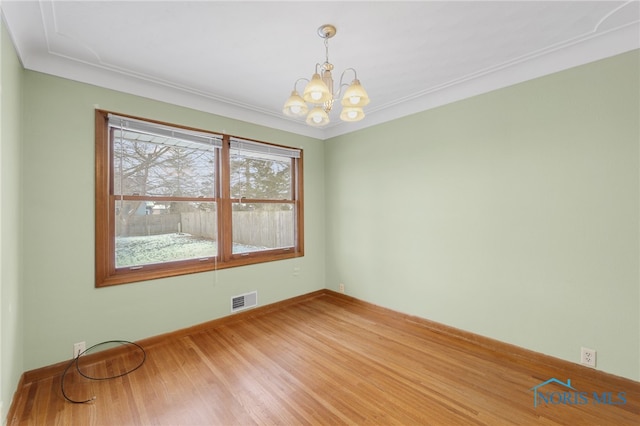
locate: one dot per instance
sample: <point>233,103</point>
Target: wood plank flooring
<point>327,359</point>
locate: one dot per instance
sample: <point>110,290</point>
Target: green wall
<point>512,214</point>
<point>61,304</point>
<point>11,353</point>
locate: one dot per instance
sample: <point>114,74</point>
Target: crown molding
<point>576,53</point>
<point>602,42</point>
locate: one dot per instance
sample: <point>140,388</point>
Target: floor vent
<point>244,301</point>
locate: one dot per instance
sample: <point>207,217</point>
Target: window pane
<point>260,176</point>
<point>150,232</point>
<point>259,226</point>
<point>153,165</point>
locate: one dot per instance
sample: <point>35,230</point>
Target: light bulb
<point>317,119</point>
<point>354,99</point>
<point>295,109</point>
<point>352,114</point>
<point>316,95</point>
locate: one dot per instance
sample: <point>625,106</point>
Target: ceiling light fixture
<point>319,92</point>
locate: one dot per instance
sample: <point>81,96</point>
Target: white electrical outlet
<point>341,287</point>
<point>588,357</point>
<point>78,348</point>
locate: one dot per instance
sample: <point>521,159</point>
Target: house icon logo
<point>536,391</point>
<point>561,393</point>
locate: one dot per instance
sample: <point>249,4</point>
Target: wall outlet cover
<point>588,357</point>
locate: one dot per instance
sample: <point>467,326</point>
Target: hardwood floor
<point>326,359</point>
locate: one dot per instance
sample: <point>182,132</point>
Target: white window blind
<point>262,148</point>
<point>166,135</point>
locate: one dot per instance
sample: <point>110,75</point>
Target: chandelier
<point>319,94</point>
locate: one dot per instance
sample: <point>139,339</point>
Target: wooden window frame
<point>106,274</point>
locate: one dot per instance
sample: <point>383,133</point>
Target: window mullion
<point>297,191</point>
<point>225,235</point>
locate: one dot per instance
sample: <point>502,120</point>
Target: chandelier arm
<point>295,85</point>
<point>341,84</point>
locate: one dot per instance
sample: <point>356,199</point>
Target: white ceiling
<point>240,59</point>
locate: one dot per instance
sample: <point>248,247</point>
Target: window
<point>172,200</point>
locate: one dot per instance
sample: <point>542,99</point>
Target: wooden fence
<point>255,228</point>
<point>271,229</point>
<point>154,224</point>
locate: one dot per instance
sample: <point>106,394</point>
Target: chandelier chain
<point>326,50</point>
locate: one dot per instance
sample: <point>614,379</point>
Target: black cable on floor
<point>75,360</point>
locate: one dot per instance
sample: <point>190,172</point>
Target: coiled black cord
<point>75,360</point>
